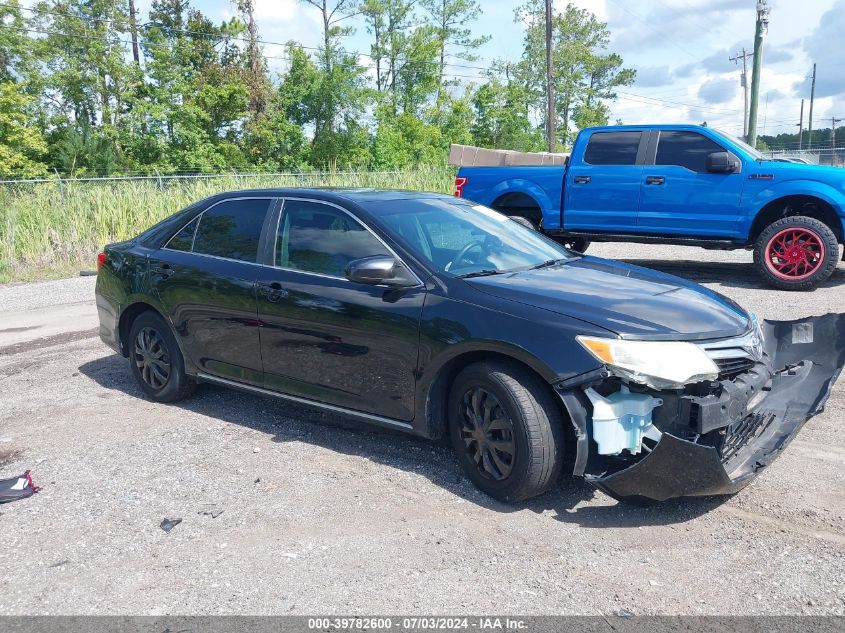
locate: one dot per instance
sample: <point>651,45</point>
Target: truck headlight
<point>659,364</point>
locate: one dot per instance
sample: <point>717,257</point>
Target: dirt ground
<point>289,511</point>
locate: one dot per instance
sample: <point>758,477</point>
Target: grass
<point>50,230</point>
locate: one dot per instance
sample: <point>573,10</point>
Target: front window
<point>685,149</point>
<point>466,239</point>
<point>318,238</point>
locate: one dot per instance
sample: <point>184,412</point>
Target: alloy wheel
<point>794,254</point>
<point>151,358</point>
<point>487,433</point>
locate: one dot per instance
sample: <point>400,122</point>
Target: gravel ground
<point>323,515</point>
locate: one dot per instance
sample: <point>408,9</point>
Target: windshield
<point>466,239</point>
<point>755,154</point>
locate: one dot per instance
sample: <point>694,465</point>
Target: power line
<point>650,25</point>
<point>679,103</point>
<point>233,38</point>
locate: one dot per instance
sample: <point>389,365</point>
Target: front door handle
<point>655,180</point>
<point>273,291</point>
<point>582,179</point>
<point>164,270</point>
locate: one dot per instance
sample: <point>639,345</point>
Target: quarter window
<point>685,149</point>
<point>318,238</point>
<point>612,148</point>
<point>232,229</point>
<point>184,239</point>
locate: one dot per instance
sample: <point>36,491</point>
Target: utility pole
<point>812,98</point>
<point>133,28</point>
<point>743,81</point>
<point>760,31</point>
<point>833,122</point>
<point>550,86</point>
<point>801,126</point>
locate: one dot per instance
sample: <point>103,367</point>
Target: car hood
<point>822,173</point>
<point>631,301</point>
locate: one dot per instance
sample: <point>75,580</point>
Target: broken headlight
<point>658,364</point>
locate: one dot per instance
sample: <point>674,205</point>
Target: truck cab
<point>680,184</point>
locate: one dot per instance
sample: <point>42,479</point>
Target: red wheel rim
<point>794,254</point>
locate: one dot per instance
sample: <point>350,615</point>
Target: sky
<point>680,49</point>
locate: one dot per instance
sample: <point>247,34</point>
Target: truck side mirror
<point>722,163</point>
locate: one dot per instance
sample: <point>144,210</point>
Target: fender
<point>432,390</point>
<point>529,188</point>
<point>798,187</point>
<point>153,302</point>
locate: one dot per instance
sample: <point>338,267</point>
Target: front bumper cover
<point>762,411</point>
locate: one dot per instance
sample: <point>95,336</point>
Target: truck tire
<point>506,429</point>
<point>796,253</point>
<point>577,244</point>
<point>524,222</point>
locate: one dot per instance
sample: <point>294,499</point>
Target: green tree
<point>22,146</point>
<point>340,97</point>
<point>584,75</point>
<point>451,19</point>
<point>89,76</point>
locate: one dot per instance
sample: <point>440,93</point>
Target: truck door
<point>680,197</point>
<point>602,186</point>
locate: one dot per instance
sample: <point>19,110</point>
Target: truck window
<point>612,148</point>
<point>685,149</point>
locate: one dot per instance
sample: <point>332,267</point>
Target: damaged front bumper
<point>716,436</point>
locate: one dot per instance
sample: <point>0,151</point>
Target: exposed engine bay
<point>645,442</point>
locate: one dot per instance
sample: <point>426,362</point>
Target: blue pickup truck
<point>678,184</point>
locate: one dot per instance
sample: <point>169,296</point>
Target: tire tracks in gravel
<point>15,359</point>
<point>782,525</point>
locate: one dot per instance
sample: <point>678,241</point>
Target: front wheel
<point>796,253</point>
<point>506,429</point>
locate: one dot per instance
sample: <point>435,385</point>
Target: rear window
<point>612,148</point>
<point>232,229</point>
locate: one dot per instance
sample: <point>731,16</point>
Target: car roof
<point>335,194</point>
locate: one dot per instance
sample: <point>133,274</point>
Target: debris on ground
<point>169,524</point>
<point>211,509</point>
<point>15,488</point>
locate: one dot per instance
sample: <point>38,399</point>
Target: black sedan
<point>435,316</point>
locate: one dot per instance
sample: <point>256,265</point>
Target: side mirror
<point>722,163</point>
<point>379,270</point>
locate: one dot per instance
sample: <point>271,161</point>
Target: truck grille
<point>739,434</point>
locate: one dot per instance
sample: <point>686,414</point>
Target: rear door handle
<point>164,270</point>
<point>273,291</point>
<point>655,180</point>
<point>582,179</point>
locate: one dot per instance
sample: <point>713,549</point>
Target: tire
<point>151,332</point>
<point>535,430</point>
<point>577,244</point>
<point>796,253</point>
<point>529,224</point>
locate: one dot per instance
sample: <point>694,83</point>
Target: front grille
<point>747,429</point>
<point>730,368</point>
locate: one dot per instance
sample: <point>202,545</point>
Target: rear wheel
<point>506,430</point>
<point>577,244</point>
<point>796,253</point>
<point>156,361</point>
